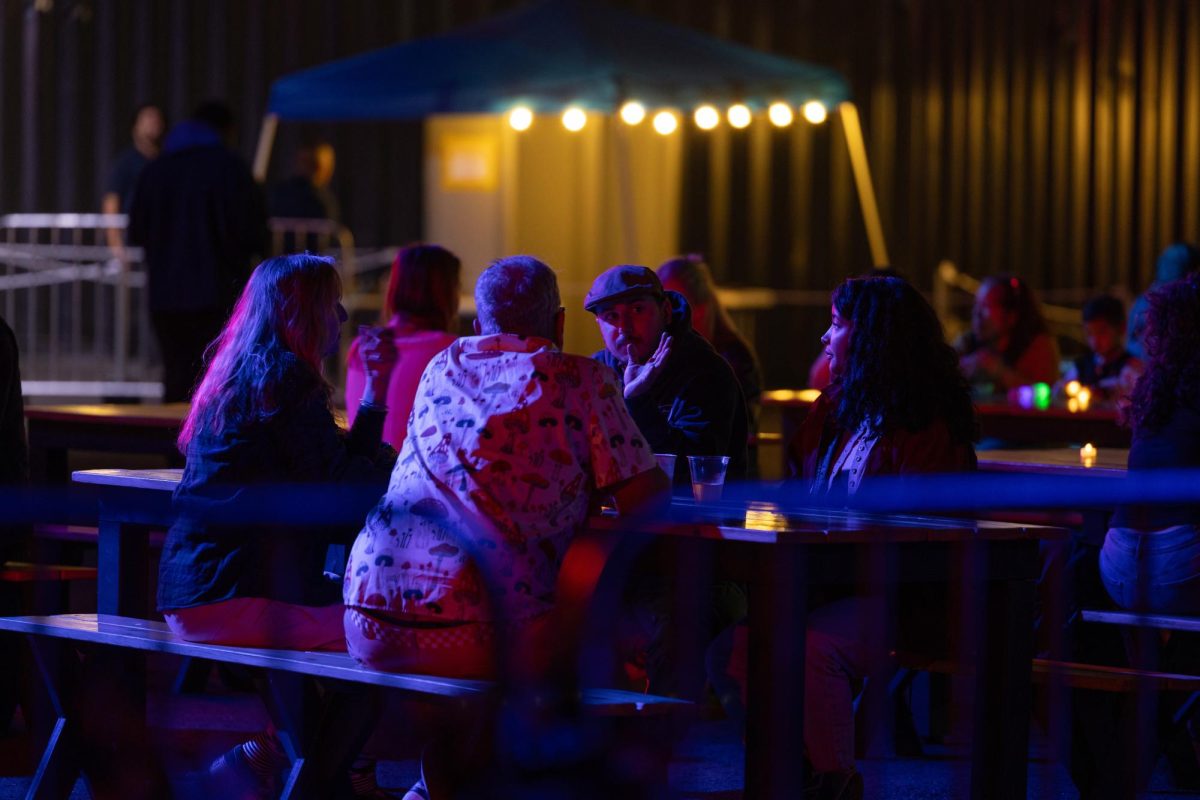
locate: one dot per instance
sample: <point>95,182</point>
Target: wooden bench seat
<point>320,754</point>
<point>1170,622</point>
<point>151,636</point>
<point>1073,675</point>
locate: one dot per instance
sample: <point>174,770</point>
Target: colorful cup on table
<point>708,477</point>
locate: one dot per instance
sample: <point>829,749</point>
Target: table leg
<point>775,701</point>
<point>122,561</point>
<point>1003,686</point>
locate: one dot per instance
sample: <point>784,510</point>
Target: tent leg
<point>266,140</point>
<point>862,179</point>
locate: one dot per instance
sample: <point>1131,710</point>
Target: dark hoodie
<point>695,407</point>
<point>201,219</point>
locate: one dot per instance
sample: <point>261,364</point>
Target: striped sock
<point>264,755</point>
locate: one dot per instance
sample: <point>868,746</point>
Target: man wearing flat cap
<point>681,393</point>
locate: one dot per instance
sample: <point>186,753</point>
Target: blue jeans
<point>1153,571</point>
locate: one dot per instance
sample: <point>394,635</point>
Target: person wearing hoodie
<point>201,220</point>
<point>682,394</point>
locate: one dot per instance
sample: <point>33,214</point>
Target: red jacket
<point>898,452</point>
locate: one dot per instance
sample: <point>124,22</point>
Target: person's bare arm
<point>644,494</point>
<point>111,204</point>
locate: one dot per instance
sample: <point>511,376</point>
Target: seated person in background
<point>681,393</point>
<point>1151,556</point>
<point>262,415</point>
<point>306,194</point>
<point>692,278</point>
<point>1008,345</point>
<point>1109,367</point>
<point>1176,261</point>
<point>421,311</point>
<point>898,405</point>
<point>516,440</point>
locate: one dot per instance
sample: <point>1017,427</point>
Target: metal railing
<point>75,296</point>
<point>77,306</point>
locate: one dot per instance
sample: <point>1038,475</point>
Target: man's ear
<point>477,327</point>
<point>560,323</point>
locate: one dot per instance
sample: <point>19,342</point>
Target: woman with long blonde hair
<point>262,415</point>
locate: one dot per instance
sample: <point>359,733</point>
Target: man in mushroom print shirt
<point>510,441</point>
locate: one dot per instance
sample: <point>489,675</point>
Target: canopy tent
<point>552,54</point>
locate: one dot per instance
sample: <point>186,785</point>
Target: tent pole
<point>862,180</point>
<point>266,139</point>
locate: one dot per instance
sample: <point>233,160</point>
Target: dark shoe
<point>231,778</point>
<point>835,785</point>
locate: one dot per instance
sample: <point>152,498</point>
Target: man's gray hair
<point>518,295</point>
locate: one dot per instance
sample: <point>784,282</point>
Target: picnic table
<point>780,555</point>
<point>55,430</point>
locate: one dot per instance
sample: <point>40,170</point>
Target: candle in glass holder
<point>1084,397</point>
<point>1087,455</point>
<point>1072,404</point>
<point>1072,388</point>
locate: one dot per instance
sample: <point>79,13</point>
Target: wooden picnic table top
<point>1110,461</point>
<point>161,415</point>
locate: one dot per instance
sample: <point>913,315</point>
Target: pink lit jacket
<point>414,350</point>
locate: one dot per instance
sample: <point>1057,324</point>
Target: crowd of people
<point>488,452</point>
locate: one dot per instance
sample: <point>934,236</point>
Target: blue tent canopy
<point>547,55</point>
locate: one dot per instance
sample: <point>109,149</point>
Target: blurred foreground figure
<point>200,217</point>
<point>1176,261</point>
<point>1008,345</point>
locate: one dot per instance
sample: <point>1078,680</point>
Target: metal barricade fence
<point>75,298</point>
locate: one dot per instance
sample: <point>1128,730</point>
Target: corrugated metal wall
<point>1056,138</point>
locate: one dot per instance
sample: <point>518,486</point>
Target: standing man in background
<point>202,221</point>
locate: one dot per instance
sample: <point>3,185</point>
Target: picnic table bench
<point>320,754</point>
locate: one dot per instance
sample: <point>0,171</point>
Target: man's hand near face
<point>640,377</point>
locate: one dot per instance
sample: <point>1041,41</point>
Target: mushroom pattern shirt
<point>508,440</point>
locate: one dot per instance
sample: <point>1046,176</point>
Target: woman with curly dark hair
<point>1008,344</point>
<point>1151,556</point>
<point>897,405</point>
<point>898,402</point>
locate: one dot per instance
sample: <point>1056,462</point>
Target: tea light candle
<point>1087,455</point>
<point>1072,404</point>
<point>1084,397</point>
<point>1072,388</point>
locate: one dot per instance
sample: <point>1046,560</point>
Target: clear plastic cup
<point>666,462</point>
<point>708,477</point>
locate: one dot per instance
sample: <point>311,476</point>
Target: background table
<point>1110,461</point>
<point>782,555</point>
<point>106,427</point>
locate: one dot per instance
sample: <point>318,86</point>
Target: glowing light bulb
<point>520,118</point>
<point>633,113</point>
<point>706,118</point>
<point>573,119</point>
<point>738,115</point>
<point>665,122</point>
<point>814,112</point>
<point>780,115</point>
